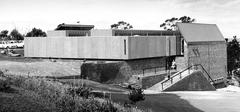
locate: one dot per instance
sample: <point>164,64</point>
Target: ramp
<point>189,79</point>
<point>193,82</point>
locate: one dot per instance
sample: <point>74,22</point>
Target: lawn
<point>207,101</point>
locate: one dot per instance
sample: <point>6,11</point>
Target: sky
<point>142,14</point>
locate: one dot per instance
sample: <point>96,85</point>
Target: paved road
<point>213,101</point>
<point>222,100</point>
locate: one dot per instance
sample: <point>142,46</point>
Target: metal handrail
<point>176,74</point>
<point>180,73</point>
<point>206,73</point>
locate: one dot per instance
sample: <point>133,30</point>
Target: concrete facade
<point>205,45</point>
<point>212,55</point>
<point>101,47</point>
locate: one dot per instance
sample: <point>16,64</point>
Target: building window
<point>182,46</point>
<point>125,50</point>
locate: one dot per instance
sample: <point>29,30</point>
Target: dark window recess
<point>125,50</point>
<point>182,46</point>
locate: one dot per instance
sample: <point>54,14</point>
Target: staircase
<point>168,82</point>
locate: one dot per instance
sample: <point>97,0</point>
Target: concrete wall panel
<point>212,55</point>
<point>113,47</point>
<point>155,46</point>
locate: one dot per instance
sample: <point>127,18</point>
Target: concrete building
<point>127,53</point>
<point>203,44</point>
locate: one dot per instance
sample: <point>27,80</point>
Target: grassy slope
<point>20,100</point>
<point>94,85</point>
<point>58,69</point>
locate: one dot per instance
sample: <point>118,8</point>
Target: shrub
<point>65,103</point>
<point>100,94</point>
<point>92,105</point>
<point>136,95</point>
<point>82,91</point>
<point>4,85</point>
<point>18,81</point>
<point>4,82</point>
<point>1,74</point>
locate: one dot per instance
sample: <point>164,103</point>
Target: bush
<point>83,91</point>
<point>4,85</point>
<point>136,95</point>
<point>18,81</point>
<point>67,103</point>
<point>1,74</point>
<point>4,82</point>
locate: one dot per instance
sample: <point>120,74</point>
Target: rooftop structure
<point>200,32</point>
<point>74,27</point>
<point>203,44</point>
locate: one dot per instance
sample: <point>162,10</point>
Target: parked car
<point>11,44</point>
<point>20,44</point>
<point>5,44</point>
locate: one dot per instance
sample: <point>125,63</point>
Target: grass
<point>53,96</point>
<point>41,67</point>
<point>94,85</point>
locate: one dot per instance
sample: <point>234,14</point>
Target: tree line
<point>233,55</point>
<point>16,35</point>
<point>169,24</point>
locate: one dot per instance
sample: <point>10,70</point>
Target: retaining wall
<point>120,71</point>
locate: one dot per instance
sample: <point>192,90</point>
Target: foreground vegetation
<point>59,97</point>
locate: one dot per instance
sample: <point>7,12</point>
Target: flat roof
<point>195,32</point>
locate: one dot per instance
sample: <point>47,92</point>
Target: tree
<point>233,54</point>
<point>170,24</point>
<point>36,33</point>
<point>121,25</point>
<point>15,35</point>
<point>3,34</point>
